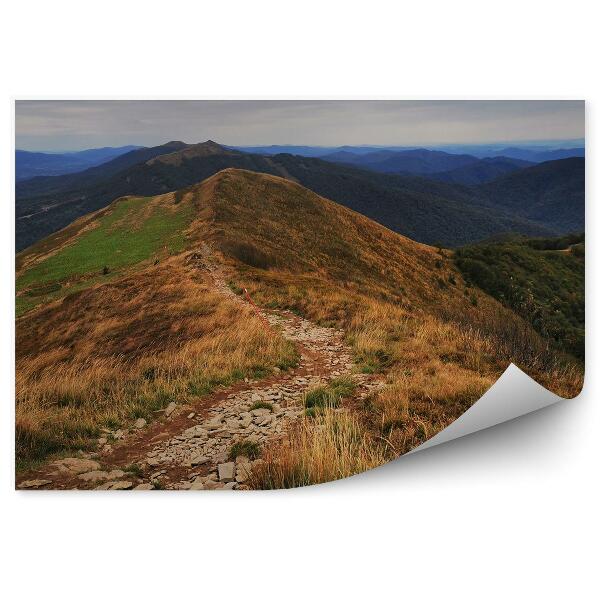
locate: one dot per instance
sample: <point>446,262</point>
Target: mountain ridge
<point>419,208</point>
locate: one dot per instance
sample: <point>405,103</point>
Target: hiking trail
<point>188,446</point>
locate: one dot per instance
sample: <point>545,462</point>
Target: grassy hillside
<point>131,231</point>
<point>541,279</point>
<point>155,330</point>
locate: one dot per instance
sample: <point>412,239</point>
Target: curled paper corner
<point>513,395</point>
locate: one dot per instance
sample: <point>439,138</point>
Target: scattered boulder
<point>226,472</point>
<point>144,486</point>
<point>140,423</point>
<point>169,410</point>
<point>198,459</point>
<point>120,485</point>
<point>76,466</point>
<point>32,484</point>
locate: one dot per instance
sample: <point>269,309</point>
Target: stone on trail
<point>121,485</point>
<point>260,412</point>
<point>198,459</point>
<point>169,410</point>
<point>76,466</point>
<point>197,484</point>
<point>140,423</point>
<point>95,476</point>
<point>32,484</point>
<point>212,485</point>
<point>144,486</point>
<point>226,472</point>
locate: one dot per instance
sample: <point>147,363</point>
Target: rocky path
<point>193,446</point>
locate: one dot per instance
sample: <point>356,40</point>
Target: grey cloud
<point>77,124</point>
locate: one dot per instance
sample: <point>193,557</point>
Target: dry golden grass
<point>124,350</point>
<point>330,446</point>
<point>128,347</point>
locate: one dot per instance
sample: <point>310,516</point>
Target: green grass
<point>119,240</point>
<point>329,396</point>
<point>245,448</point>
<point>262,404</point>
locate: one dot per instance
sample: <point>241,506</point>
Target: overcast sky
<point>75,125</point>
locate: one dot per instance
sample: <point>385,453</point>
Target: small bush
<point>135,470</point>
<point>329,396</point>
<point>245,448</point>
<point>262,404</point>
<point>149,374</point>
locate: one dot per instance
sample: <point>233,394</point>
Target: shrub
<point>245,448</point>
<point>329,396</point>
<point>261,404</point>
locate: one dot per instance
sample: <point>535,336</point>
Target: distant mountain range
<point>534,152</point>
<point>34,164</point>
<point>443,166</point>
<point>426,210</point>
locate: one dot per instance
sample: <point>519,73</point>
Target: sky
<point>57,125</point>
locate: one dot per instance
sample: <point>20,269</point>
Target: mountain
<point>313,151</point>
<point>427,211</point>
<point>530,152</point>
<point>39,186</point>
<point>539,154</point>
<point>130,308</point>
<point>34,164</point>
<point>551,194</point>
<point>418,161</point>
<point>482,171</point>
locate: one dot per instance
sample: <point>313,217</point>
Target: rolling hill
<point>35,164</point>
<point>551,193</point>
<point>119,316</point>
<point>482,171</point>
<point>427,211</point>
<point>415,162</point>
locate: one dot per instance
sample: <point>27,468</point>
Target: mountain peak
<point>190,151</point>
<point>177,144</point>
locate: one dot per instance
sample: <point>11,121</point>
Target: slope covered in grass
<point>541,279</point>
<point>122,347</point>
<point>121,350</point>
<point>129,232</point>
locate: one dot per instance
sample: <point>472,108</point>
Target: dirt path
<point>189,447</point>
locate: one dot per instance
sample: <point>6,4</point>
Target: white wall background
<point>507,513</point>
